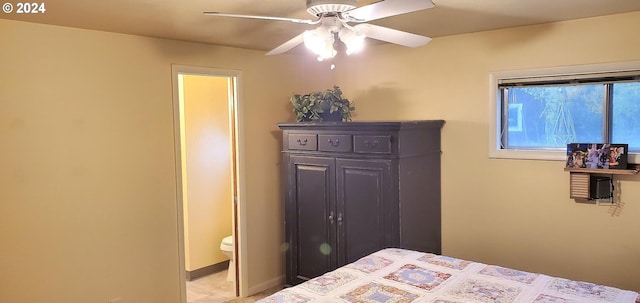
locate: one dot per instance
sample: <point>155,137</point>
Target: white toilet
<point>226,246</point>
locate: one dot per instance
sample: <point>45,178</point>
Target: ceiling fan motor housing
<point>319,7</point>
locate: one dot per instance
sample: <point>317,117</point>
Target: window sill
<point>545,155</point>
<point>603,171</point>
<point>549,155</point>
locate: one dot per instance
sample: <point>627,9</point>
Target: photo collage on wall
<point>597,155</point>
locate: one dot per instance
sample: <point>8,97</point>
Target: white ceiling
<point>183,19</point>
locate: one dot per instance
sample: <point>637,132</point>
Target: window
<point>537,113</point>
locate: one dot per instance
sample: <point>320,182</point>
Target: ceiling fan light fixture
<point>315,39</point>
<point>320,42</point>
<point>352,39</point>
<point>327,54</point>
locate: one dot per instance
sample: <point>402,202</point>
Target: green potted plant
<point>322,106</point>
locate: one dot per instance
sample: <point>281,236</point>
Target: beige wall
<point>207,169</point>
<point>88,206</point>
<point>509,212</point>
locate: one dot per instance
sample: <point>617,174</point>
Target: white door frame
<point>240,224</point>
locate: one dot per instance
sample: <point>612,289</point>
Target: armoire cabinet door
<point>366,207</point>
<point>310,217</point>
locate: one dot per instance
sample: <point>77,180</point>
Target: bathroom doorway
<point>206,136</point>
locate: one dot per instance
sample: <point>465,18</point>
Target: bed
<point>397,276</point>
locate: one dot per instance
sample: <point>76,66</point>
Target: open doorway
<point>207,158</point>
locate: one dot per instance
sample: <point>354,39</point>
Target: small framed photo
<point>618,154</point>
<point>597,155</point>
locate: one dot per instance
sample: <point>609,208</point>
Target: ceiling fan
<point>334,16</point>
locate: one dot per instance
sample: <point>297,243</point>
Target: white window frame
<point>495,151</point>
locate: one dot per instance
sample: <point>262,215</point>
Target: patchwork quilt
<point>402,276</point>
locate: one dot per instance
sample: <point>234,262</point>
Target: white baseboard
<point>279,281</point>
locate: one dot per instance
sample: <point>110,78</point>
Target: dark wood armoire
<point>352,188</point>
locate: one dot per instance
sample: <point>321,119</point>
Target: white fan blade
<point>285,47</point>
<point>386,8</point>
<point>392,35</point>
<point>303,21</point>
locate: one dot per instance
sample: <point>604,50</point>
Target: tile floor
<point>213,288</point>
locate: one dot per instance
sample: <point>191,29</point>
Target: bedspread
<point>401,276</point>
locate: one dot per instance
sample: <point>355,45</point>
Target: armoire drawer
<point>372,144</point>
<point>303,142</point>
<point>335,143</point>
